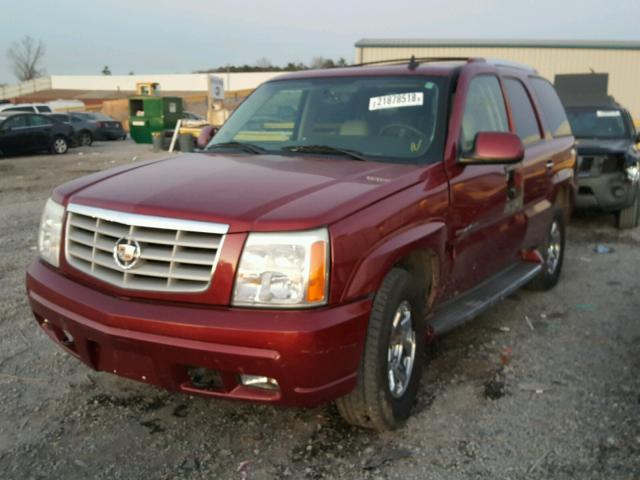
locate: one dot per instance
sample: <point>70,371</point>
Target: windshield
<point>390,119</point>
<point>605,123</point>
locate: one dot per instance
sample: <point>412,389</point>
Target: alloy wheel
<point>402,350</point>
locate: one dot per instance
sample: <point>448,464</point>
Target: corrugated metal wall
<point>623,66</point>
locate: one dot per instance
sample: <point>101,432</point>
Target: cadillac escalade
<point>338,222</point>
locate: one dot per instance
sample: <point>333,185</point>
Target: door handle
<point>550,165</point>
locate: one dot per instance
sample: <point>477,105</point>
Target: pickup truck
<point>336,224</point>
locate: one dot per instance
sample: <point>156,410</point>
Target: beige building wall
<point>622,65</point>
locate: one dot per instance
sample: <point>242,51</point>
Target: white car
<point>25,107</point>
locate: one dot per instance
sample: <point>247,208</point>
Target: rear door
<point>486,228</point>
<point>559,149</point>
<point>41,130</point>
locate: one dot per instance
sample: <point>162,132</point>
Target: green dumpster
<point>148,114</point>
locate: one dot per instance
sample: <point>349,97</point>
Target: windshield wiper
<point>245,147</point>
<point>354,154</point>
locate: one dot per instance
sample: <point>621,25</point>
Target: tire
<point>85,139</point>
<point>372,404</point>
<point>552,254</point>
<point>628,217</point>
<point>59,145</point>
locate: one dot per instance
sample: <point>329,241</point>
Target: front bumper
<point>314,354</point>
<point>608,191</point>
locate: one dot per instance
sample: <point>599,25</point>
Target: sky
<point>145,36</point>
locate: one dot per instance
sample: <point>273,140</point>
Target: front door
<point>15,135</point>
<point>486,224</point>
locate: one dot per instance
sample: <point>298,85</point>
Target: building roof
<point>498,43</point>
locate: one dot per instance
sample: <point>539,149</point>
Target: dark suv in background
<point>608,160</point>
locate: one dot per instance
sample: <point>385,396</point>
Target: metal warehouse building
<point>621,60</point>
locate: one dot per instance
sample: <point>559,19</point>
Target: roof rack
<point>497,62</point>
<point>413,62</point>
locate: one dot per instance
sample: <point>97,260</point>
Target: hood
<point>597,146</point>
<point>249,192</point>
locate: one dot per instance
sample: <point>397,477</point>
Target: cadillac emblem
<point>126,253</point>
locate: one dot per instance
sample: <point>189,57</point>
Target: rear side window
<point>19,109</point>
<point>552,111</point>
<point>524,116</point>
<point>38,121</point>
<point>43,108</point>
<point>484,110</point>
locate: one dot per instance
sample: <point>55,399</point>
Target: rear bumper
<point>314,355</point>
<point>108,134</point>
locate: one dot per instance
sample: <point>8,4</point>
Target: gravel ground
<point>543,386</point>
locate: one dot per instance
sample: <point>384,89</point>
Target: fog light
<point>205,378</point>
<point>258,381</point>
<point>618,192</point>
<point>67,338</point>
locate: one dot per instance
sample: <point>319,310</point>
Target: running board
<point>470,304</point>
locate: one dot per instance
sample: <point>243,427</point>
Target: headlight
<point>51,232</point>
<point>283,270</point>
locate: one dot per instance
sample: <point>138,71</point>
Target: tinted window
<point>591,122</point>
<point>100,116</point>
<point>484,110</point>
<point>19,109</point>
<point>524,117</point>
<point>38,121</point>
<point>16,122</point>
<point>552,111</point>
<point>43,108</point>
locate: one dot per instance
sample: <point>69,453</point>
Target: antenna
<point>412,63</point>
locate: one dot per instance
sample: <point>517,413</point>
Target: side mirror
<point>495,147</point>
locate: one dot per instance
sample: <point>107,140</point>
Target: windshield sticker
<point>397,100</point>
<point>608,113</point>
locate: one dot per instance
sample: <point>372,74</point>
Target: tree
<point>106,70</point>
<point>25,57</point>
<point>264,63</point>
<point>321,62</point>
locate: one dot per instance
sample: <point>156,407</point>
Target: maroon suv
<point>336,223</point>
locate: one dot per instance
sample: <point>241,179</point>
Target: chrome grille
<point>175,255</point>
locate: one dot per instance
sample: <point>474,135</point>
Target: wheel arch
<point>418,249</point>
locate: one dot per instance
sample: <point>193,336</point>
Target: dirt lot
<point>567,404</point>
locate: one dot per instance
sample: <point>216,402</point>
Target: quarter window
<point>552,111</point>
<point>524,116</point>
<point>484,110</point>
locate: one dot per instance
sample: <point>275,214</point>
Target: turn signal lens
<point>317,273</point>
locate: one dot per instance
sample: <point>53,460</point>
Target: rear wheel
<point>59,145</point>
<point>86,139</point>
<point>552,255</point>
<point>629,217</point>
<point>391,365</point>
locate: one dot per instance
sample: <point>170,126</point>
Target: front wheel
<point>552,255</point>
<point>629,217</point>
<point>59,145</point>
<point>391,365</point>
